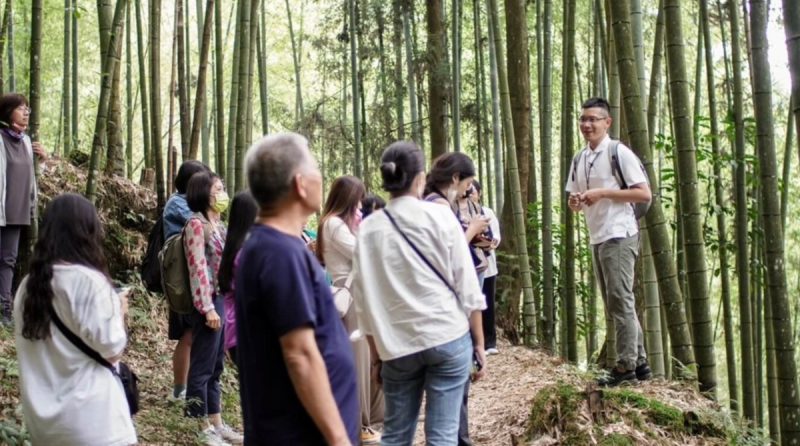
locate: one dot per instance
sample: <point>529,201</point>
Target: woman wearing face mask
<point>449,179</point>
<point>336,243</point>
<point>203,242</point>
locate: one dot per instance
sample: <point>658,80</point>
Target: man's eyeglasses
<point>24,109</point>
<point>590,120</point>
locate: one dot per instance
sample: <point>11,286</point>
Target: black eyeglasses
<point>590,120</point>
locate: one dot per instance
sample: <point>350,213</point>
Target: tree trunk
<point>773,235</point>
<point>397,45</point>
<point>35,69</point>
<point>742,265</point>
<point>262,74</point>
<point>12,78</point>
<point>410,64</point>
<point>496,125</point>
<point>298,111</point>
<point>230,159</point>
<point>791,24</point>
<point>456,87</point>
<point>66,85</point>
<point>202,18</point>
<point>183,81</point>
<point>355,89</point>
<point>109,66</point>
<point>155,98</point>
<point>219,91</point>
<point>548,316</point>
<point>3,38</point>
<point>437,79</point>
<point>719,196</point>
<point>514,180</point>
<point>175,60</point>
<point>202,74</point>
<point>686,164</point>
<point>787,168</point>
<point>566,159</point>
<point>115,157</point>
<point>140,36</point>
<point>671,298</point>
<point>128,95</point>
<point>244,97</point>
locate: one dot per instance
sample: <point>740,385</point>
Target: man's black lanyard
<point>588,170</point>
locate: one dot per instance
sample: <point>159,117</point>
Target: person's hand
<point>482,358</point>
<point>495,243</point>
<point>312,245</point>
<point>575,200</point>
<point>479,223</point>
<point>212,320</point>
<point>375,372</point>
<point>39,151</point>
<point>592,196</point>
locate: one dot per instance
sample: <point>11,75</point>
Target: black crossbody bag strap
<point>421,255</point>
<point>78,342</point>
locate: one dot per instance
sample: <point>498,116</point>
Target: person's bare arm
<point>310,379</point>
<point>476,330</point>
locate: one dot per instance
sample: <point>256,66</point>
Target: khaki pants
<point>370,395</point>
<point>614,262</point>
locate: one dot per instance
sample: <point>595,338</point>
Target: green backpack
<point>175,269</point>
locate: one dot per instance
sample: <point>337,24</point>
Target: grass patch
<point>617,440</point>
<point>556,407</point>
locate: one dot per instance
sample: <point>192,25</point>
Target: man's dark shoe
<point>616,378</point>
<point>643,372</point>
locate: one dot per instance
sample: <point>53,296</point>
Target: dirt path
<point>499,405</point>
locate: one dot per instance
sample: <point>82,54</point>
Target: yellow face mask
<point>221,202</point>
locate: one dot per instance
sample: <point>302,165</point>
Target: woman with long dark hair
<point>67,397</point>
<point>203,242</point>
<point>417,297</point>
<point>338,226</point>
<point>244,211</point>
<point>18,182</point>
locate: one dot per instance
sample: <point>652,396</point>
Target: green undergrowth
<point>627,416</point>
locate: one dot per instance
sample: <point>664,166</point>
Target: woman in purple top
<point>243,213</point>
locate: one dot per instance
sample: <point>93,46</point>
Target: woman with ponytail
<point>67,397</point>
<point>418,302</point>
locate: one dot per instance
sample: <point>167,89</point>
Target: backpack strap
<point>575,160</point>
<point>616,166</point>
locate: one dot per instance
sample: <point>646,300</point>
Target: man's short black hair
<point>597,103</point>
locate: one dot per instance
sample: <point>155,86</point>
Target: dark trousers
<point>206,362</point>
<point>9,247</point>
<point>489,332</point>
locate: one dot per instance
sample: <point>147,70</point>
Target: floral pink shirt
<point>203,260</point>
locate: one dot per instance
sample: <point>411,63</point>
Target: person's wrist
<point>377,362</point>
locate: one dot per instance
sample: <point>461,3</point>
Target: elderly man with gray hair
<point>297,375</point>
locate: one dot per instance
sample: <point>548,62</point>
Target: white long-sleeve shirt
<point>338,246</point>
<point>494,224</point>
<point>399,300</point>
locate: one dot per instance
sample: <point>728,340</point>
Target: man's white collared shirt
<point>607,218</point>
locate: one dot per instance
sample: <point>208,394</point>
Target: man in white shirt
<point>613,232</point>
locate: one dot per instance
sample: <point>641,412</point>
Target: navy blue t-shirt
<point>280,286</point>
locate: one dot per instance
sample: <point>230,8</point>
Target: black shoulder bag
<point>128,378</point>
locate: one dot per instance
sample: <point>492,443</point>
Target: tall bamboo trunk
<point>155,98</point>
<point>12,78</point>
<point>183,81</point>
<point>66,85</point>
<point>671,298</point>
<point>791,24</point>
<point>202,74</point>
<point>412,92</point>
<point>295,59</point>
<point>128,95</point>
<point>233,112</point>
<point>262,74</point>
<point>548,314</point>
<point>787,168</point>
<point>35,69</point>
<point>437,79</point>
<point>686,164</point>
<point>115,158</point>
<point>109,65</point>
<point>239,132</point>
<point>455,22</point>
<point>140,37</point>
<point>497,147</point>
<point>513,177</point>
<point>3,38</point>
<point>719,197</point>
<point>202,19</point>
<point>742,263</point>
<point>773,235</point>
<point>566,159</point>
<point>219,91</point>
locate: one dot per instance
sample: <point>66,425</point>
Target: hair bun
<point>390,167</point>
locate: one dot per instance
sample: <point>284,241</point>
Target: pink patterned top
<point>203,257</point>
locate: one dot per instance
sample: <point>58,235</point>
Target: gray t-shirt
<point>19,181</point>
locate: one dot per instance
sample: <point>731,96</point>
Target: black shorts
<point>178,324</point>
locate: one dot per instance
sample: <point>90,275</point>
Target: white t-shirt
<point>399,300</point>
<point>494,225</point>
<point>606,219</point>
<point>67,397</point>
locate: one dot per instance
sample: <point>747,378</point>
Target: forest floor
<point>528,398</point>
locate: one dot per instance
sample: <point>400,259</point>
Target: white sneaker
<point>370,436</point>
<point>210,437</point>
<point>181,398</point>
<point>492,351</point>
<point>228,434</point>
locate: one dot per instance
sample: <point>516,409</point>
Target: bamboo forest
<point>706,94</point>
